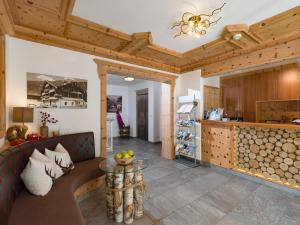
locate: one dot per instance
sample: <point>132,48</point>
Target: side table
<point>125,191</point>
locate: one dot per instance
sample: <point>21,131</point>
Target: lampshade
<point>22,115</point>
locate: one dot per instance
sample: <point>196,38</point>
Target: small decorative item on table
<point>125,188</point>
<point>45,118</point>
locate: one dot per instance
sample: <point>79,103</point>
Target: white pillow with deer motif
<point>38,175</point>
<point>61,159</point>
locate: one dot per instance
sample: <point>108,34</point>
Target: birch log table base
<point>125,191</point>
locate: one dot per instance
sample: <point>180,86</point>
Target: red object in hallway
<point>33,137</point>
<point>18,141</point>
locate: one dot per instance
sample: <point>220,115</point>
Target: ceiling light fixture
<point>129,79</point>
<point>196,24</point>
<point>237,36</point>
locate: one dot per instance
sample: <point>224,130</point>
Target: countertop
<point>250,124</point>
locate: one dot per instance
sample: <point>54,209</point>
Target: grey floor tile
<point>179,195</point>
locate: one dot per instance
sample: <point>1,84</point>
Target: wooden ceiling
<point>51,22</point>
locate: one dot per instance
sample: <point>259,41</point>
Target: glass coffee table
<point>125,190</point>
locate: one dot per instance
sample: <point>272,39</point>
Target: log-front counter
<point>267,151</point>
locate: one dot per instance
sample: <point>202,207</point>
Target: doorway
<point>167,96</point>
<point>142,114</point>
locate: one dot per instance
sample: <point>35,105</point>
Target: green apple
<point>126,156</point>
<point>118,156</point>
<point>131,152</point>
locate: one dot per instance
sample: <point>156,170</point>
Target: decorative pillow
<point>38,175</point>
<point>61,159</point>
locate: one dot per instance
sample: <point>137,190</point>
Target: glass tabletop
<point>110,166</point>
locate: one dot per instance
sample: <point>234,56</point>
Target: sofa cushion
<point>38,176</point>
<point>58,207</point>
<point>61,160</point>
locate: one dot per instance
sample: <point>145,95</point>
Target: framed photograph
<point>114,103</point>
<point>48,91</point>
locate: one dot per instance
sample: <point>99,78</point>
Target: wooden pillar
<point>2,87</point>
<point>172,98</point>
<point>102,75</point>
<point>168,151</point>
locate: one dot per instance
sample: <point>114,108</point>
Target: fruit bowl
<point>124,162</point>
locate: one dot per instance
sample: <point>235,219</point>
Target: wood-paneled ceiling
<point>51,22</point>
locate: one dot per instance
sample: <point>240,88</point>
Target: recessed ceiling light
<point>129,79</point>
<point>237,36</point>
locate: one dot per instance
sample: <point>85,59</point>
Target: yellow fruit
<point>119,156</point>
<point>131,152</point>
<point>126,156</point>
<point>123,153</point>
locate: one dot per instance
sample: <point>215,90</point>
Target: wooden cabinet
<point>2,87</point>
<point>239,93</point>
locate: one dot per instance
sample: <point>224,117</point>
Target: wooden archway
<point>105,67</point>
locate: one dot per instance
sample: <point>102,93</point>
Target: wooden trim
<point>89,186</point>
<point>2,88</point>
<point>105,67</point>
<point>102,71</point>
<point>251,124</point>
<point>125,70</point>
<point>172,108</point>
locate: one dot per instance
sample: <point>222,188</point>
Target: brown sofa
<point>58,207</point>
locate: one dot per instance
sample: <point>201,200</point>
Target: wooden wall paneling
<point>249,95</point>
<point>242,91</point>
<point>2,87</point>
<point>288,83</point>
<point>211,97</point>
<point>232,96</point>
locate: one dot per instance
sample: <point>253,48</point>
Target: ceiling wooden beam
<point>200,64</point>
<point>50,39</point>
<point>139,41</point>
<point>278,53</point>
<point>126,70</point>
<point>6,20</point>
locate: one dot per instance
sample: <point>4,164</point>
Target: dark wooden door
<point>142,114</point>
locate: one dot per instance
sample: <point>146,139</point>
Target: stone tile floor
<point>178,195</point>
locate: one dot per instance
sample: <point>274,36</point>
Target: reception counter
<point>267,151</point>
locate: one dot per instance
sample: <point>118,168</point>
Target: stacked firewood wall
<point>270,153</point>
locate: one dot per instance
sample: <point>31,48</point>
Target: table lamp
<point>22,115</point>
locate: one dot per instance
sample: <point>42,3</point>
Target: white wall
<point>124,92</point>
<point>154,109</point>
<point>23,56</point>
